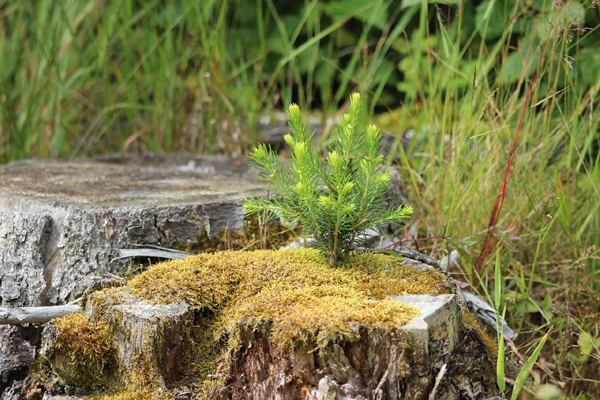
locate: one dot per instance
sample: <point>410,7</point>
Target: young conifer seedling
<point>334,200</point>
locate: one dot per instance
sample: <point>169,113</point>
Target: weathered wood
<point>146,337</point>
<point>35,315</point>
<point>146,341</point>
<point>23,240</point>
<point>153,253</point>
<point>487,314</point>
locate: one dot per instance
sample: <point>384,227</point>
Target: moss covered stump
<point>404,363</point>
<point>273,325</point>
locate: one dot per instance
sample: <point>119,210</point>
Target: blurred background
<point>490,109</point>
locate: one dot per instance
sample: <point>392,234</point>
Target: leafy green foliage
<point>336,200</point>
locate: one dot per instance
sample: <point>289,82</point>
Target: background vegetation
<point>499,100</point>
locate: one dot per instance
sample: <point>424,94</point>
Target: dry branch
<point>35,315</point>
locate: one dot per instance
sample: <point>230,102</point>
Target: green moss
<point>298,296</point>
<point>301,295</point>
<point>82,356</point>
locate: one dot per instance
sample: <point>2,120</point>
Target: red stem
<point>489,244</point>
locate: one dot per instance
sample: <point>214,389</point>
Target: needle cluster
<point>334,200</point>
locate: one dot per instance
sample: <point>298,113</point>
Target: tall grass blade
<point>526,370</point>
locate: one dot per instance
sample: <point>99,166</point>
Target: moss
<point>204,354</point>
<point>295,290</point>
<point>318,314</point>
<point>82,356</point>
<point>298,296</point>
<point>127,395</point>
<point>472,323</point>
<point>201,349</point>
<point>211,280</point>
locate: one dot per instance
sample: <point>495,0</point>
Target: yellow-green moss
<point>82,356</point>
<point>321,314</point>
<point>210,280</point>
<point>297,295</point>
<point>201,349</point>
<point>472,324</point>
<point>126,395</point>
<point>301,295</point>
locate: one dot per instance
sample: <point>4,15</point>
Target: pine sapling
<point>335,200</point>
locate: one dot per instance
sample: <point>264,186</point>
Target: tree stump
<point>61,223</point>
<point>433,357</point>
<point>151,337</point>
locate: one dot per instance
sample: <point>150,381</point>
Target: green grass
<point>550,192</point>
<point>81,78</point>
